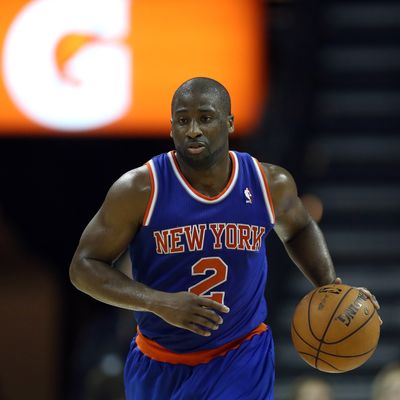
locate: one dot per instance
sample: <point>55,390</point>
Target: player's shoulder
<point>135,180</point>
<point>276,175</point>
<point>281,185</point>
<point>132,187</point>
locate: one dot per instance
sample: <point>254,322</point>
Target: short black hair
<point>205,84</point>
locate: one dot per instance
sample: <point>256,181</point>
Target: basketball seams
<point>329,323</point>
<point>321,359</point>
<point>338,341</point>
<point>330,354</point>
<point>298,334</point>
<point>326,323</point>
<point>355,331</point>
<point>308,315</point>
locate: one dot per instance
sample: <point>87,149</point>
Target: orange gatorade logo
<point>101,67</point>
<point>65,51</point>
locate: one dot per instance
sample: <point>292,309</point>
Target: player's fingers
<point>205,322</point>
<point>371,297</point>
<point>380,320</point>
<point>213,304</point>
<point>338,281</point>
<point>196,329</point>
<point>210,314</point>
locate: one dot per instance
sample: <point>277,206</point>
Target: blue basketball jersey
<point>211,246</point>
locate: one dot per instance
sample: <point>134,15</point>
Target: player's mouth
<point>195,147</point>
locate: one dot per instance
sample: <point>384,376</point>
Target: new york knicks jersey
<point>211,246</point>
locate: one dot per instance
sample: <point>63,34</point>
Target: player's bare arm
<point>107,236</point>
<point>300,234</point>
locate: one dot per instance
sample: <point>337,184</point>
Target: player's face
<point>200,129</point>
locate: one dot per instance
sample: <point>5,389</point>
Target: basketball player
<point>195,221</point>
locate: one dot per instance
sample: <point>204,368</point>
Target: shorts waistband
<point>159,353</point>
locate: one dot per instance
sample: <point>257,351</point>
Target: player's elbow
<point>76,273</point>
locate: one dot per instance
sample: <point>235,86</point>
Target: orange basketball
<point>335,328</point>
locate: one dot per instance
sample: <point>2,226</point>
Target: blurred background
<point>85,91</point>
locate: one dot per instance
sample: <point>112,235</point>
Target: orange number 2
<point>219,276</point>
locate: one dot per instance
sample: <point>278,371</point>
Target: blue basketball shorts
<point>246,372</point>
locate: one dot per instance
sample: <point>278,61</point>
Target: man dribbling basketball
<point>195,221</point>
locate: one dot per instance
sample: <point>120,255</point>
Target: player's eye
<point>206,118</point>
<point>182,121</point>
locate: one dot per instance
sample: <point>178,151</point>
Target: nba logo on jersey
<point>248,195</point>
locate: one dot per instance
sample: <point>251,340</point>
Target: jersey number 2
<point>219,276</point>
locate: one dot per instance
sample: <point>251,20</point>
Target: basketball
<point>335,328</point>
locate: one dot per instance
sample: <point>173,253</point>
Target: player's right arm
<point>107,236</point>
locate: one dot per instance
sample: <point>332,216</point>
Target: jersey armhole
<point>153,194</point>
<point>265,190</point>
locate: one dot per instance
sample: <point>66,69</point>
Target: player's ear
<point>170,131</point>
<point>231,126</point>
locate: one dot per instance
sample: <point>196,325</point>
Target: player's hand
<point>338,281</point>
<point>189,311</point>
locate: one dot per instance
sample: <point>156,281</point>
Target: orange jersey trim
<point>150,203</point>
<point>267,188</point>
<point>159,353</point>
<point>227,187</point>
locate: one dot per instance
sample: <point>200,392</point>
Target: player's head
<point>311,388</point>
<point>386,385</point>
<point>213,88</point>
<point>201,119</point>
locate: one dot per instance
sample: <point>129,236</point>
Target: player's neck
<point>210,181</point>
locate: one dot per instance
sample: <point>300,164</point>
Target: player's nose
<point>194,130</point>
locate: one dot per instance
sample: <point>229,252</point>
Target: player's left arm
<point>300,234</point>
